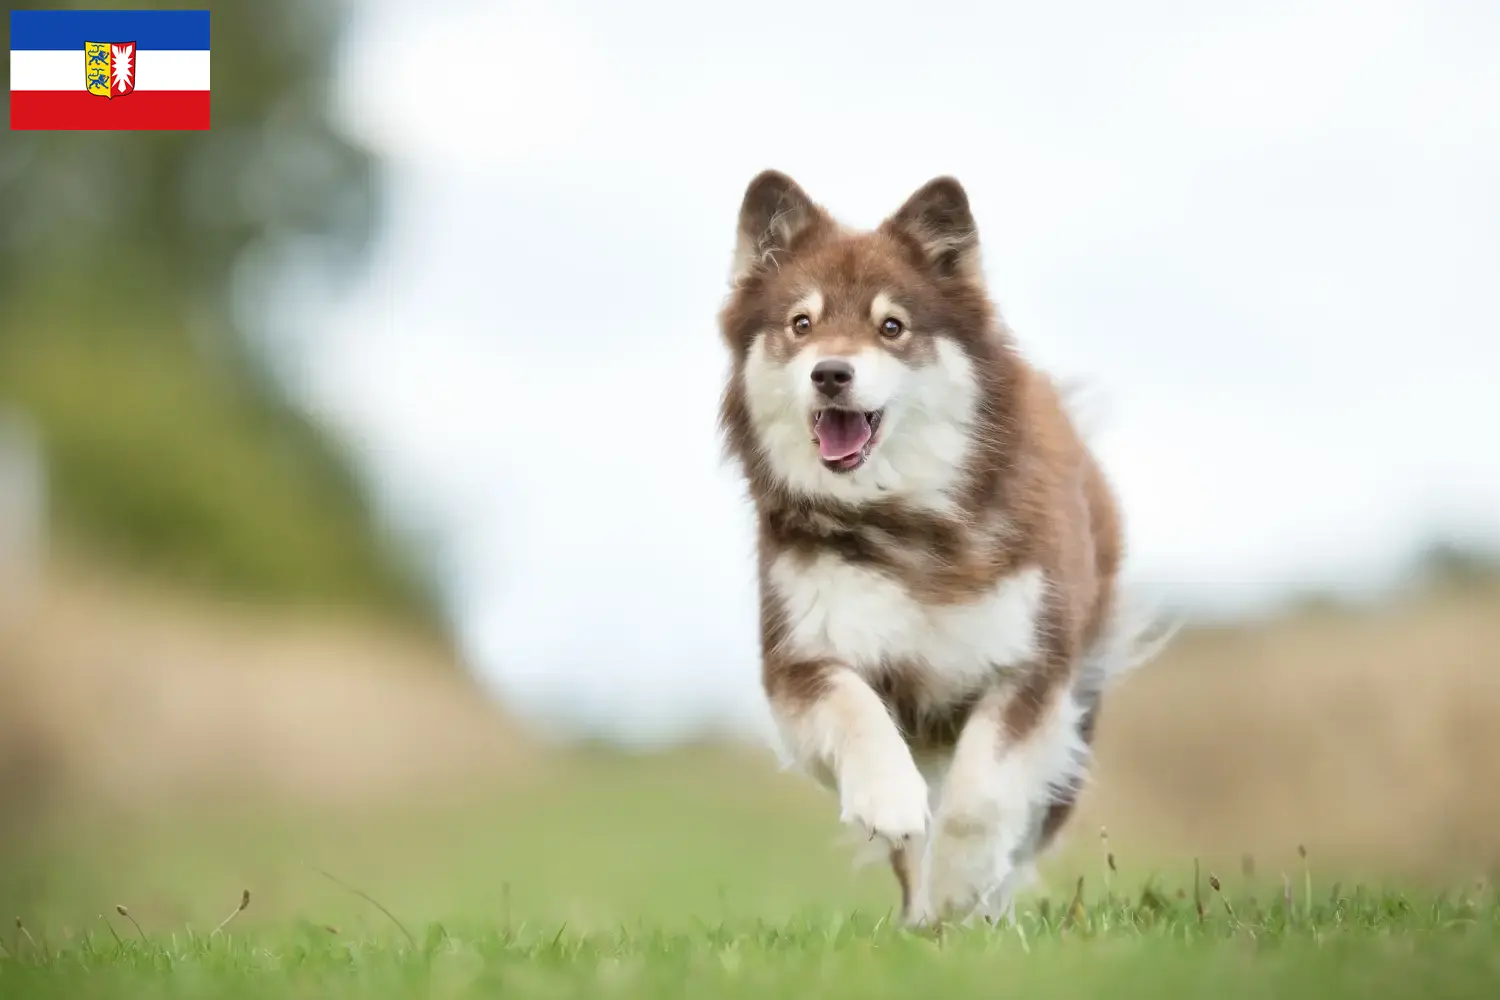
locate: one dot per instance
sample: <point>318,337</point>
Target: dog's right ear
<point>774,216</point>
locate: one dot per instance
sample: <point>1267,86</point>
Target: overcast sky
<point>1268,234</point>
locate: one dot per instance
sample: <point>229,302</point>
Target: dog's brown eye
<point>892,328</point>
<point>801,324</point>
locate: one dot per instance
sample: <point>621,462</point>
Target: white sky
<point>1269,234</point>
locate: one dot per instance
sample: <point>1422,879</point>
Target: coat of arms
<point>109,68</point>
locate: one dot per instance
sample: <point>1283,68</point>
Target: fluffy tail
<point>1086,405</point>
<point>1138,632</point>
<point>1136,635</point>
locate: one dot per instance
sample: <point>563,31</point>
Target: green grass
<point>1360,945</point>
<point>685,876</point>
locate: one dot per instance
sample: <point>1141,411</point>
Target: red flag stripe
<point>78,109</point>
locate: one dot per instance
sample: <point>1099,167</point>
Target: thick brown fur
<point>1029,494</point>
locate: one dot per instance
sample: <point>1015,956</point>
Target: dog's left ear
<point>937,222</point>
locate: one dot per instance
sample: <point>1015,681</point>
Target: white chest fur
<point>866,619</point>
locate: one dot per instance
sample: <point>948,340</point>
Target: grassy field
<point>695,874</point>
<point>1362,947</point>
<point>165,757</point>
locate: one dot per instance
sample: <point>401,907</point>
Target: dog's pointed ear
<point>937,223</point>
<point>775,215</point>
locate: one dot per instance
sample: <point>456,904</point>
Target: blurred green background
<point>125,340</point>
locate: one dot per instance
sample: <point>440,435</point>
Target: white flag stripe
<point>156,69</point>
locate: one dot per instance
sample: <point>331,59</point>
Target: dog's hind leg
<point>1060,810</point>
<point>1020,753</point>
<point>1018,772</point>
<point>903,864</point>
<point>909,861</point>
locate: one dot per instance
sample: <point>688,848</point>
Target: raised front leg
<point>839,730</point>
<point>1020,751</point>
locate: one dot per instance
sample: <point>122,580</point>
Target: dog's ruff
<point>938,561</point>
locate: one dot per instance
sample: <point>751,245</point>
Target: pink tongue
<point>841,434</point>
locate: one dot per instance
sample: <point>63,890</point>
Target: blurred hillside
<point>119,694</point>
<point>129,338</point>
<point>1370,734</point>
<point>172,753</point>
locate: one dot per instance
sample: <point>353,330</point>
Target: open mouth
<point>845,437</point>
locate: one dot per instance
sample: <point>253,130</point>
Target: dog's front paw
<point>882,793</point>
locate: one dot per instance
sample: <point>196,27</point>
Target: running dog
<point>938,548</point>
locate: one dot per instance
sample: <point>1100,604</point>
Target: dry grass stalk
<point>244,902</point>
<point>120,909</point>
<point>1213,881</point>
<point>372,901</point>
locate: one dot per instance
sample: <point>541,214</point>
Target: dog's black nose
<point>832,376</point>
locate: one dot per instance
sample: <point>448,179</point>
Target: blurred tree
<point>168,441</point>
<point>187,205</point>
<point>1458,565</point>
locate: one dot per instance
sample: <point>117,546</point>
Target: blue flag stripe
<point>68,29</point>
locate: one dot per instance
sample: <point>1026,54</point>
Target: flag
<point>109,69</point>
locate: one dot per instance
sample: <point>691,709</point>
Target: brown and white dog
<point>938,548</point>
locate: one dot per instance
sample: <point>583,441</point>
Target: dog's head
<point>860,358</point>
